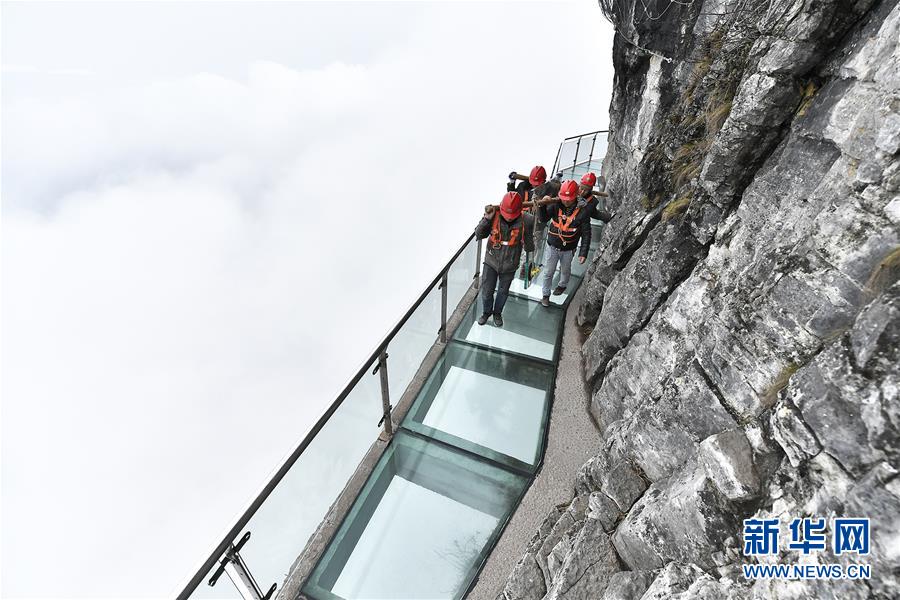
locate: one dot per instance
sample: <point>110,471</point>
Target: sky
<point>212,213</point>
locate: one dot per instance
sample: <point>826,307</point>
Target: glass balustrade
<point>294,508</point>
<point>459,276</point>
<point>585,148</point>
<point>566,158</point>
<point>599,152</point>
<point>582,154</point>
<point>409,347</point>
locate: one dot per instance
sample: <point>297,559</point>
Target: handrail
<point>298,451</point>
<point>572,137</point>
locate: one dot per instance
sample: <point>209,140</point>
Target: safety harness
<point>514,236</point>
<point>563,224</point>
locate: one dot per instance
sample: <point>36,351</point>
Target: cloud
<point>33,70</point>
<point>194,265</point>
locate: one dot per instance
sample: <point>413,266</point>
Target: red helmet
<point>511,206</point>
<point>538,176</point>
<point>589,179</point>
<point>568,190</point>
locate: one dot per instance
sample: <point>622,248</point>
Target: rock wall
<point>745,351</point>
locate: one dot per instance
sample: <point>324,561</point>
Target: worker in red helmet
<point>508,230</point>
<point>588,180</point>
<point>536,178</point>
<point>585,191</point>
<point>569,223</point>
<point>536,185</point>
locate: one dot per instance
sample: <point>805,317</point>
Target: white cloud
<point>195,264</point>
<point>33,70</point>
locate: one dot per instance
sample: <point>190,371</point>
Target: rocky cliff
<point>743,308</point>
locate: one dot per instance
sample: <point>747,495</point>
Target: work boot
<point>545,301</point>
<point>483,319</point>
<point>498,320</point>
<point>559,290</point>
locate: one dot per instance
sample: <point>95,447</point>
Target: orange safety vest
<point>564,230</point>
<point>497,238</point>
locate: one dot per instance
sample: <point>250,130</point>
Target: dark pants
<point>489,279</point>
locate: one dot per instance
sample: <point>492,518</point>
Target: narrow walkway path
<point>572,441</point>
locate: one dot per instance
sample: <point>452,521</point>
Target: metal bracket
<point>233,564</point>
<point>378,364</point>
<point>390,408</point>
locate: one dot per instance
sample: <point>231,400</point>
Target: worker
<point>569,222</point>
<point>537,177</point>
<point>586,192</point>
<point>548,188</point>
<point>508,230</point>
<point>535,186</point>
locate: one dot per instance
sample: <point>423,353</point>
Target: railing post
<point>478,265</point>
<point>385,394</point>
<point>233,565</point>
<point>444,308</point>
<point>575,158</point>
<point>556,161</point>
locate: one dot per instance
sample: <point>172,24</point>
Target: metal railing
<point>226,552</point>
<point>578,150</point>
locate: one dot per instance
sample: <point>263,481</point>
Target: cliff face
<point>744,355</point>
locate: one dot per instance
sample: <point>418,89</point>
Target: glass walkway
<point>455,455</point>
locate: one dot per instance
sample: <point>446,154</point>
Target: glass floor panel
<point>421,527</point>
<point>535,287</point>
<point>535,290</point>
<point>528,328</point>
<point>486,402</point>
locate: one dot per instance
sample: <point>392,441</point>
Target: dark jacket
<point>522,187</point>
<point>581,224</point>
<point>593,204</point>
<point>505,259</point>
<point>548,188</point>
